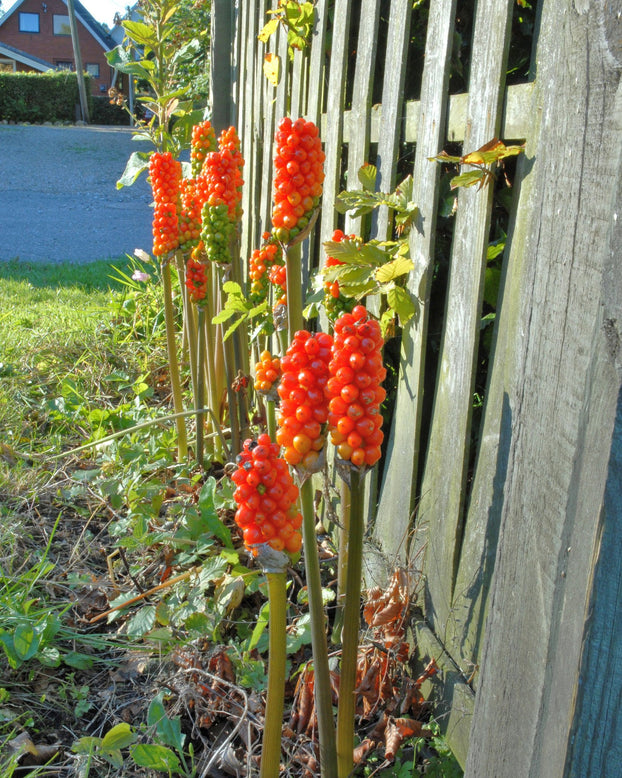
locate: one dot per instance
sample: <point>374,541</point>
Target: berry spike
<point>299,176</point>
<point>203,142</point>
<point>165,179</point>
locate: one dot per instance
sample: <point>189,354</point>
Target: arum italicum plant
<point>356,372</point>
<point>268,516</point>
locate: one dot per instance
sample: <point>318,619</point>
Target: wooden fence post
<point>547,671</point>
<point>221,85</point>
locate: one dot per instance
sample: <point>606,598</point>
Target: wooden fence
<point>516,533</point>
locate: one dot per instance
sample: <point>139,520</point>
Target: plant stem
<point>275,701</point>
<point>322,686</point>
<point>200,386</point>
<point>271,419</point>
<point>293,263</point>
<point>351,627</point>
<point>342,561</point>
<point>169,316</point>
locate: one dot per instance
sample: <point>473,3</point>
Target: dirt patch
<point>58,195</point>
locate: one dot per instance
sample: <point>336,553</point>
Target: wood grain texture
<point>392,105</point>
<point>560,382</point>
<point>359,114</point>
<point>442,490</point>
<point>332,133</point>
<point>317,64</point>
<point>397,496</point>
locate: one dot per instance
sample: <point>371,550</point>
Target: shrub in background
<point>40,97</point>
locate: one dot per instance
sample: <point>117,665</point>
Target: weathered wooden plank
<point>560,383</point>
<point>397,494</point>
<point>298,88</point>
<point>359,114</point>
<point>452,697</point>
<point>332,134</point>
<point>317,63</point>
<point>248,140</point>
<point>392,105</point>
<point>267,140</point>
<point>222,49</point>
<point>442,491</point>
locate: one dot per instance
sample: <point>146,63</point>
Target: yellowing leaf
<point>392,270</point>
<point>268,29</point>
<point>272,68</point>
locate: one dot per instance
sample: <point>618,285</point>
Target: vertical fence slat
<point>297,106</point>
<point>392,106</point>
<point>333,132</point>
<point>397,495</point>
<point>442,493</point>
<point>359,119</point>
<point>268,131</point>
<point>317,61</point>
<point>248,142</point>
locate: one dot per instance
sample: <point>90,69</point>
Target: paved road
<point>58,198</point>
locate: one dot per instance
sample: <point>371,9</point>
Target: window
<point>92,68</point>
<point>64,65</point>
<point>61,25</point>
<point>28,22</point>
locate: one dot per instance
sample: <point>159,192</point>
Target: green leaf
<point>142,621</point>
<point>120,736</point>
<point>155,757</point>
<point>367,177</point>
<point>168,730</point>
<point>77,660</point>
<point>141,33</point>
<point>400,301</point>
<point>470,178</point>
<point>392,270</point>
<point>136,164</point>
<point>26,642</point>
<point>121,59</point>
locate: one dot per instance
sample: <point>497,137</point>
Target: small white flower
<point>138,275</point>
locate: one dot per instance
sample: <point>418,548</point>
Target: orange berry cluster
<point>203,142</point>
<point>278,279</point>
<point>304,405</point>
<point>356,372</point>
<point>299,176</point>
<point>165,178</point>
<point>196,277</point>
<point>223,173</point>
<point>260,262</point>
<point>266,498</point>
<point>267,372</point>
<point>193,193</point>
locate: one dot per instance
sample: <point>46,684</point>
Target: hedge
<point>40,97</point>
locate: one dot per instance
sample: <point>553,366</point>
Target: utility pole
<point>73,24</point>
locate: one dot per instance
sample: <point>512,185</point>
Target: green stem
<point>275,702</point>
<point>351,627</point>
<point>342,560</point>
<point>200,386</point>
<point>322,685</point>
<point>293,263</point>
<point>169,316</point>
<point>271,418</point>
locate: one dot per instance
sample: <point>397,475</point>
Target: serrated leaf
<point>155,757</point>
<point>367,177</point>
<point>359,202</point>
<point>394,269</point>
<point>121,60</point>
<point>120,736</point>
<point>470,178</point>
<point>268,29</point>
<point>142,621</point>
<point>136,164</point>
<point>141,33</point>
<point>348,275</point>
<point>400,301</point>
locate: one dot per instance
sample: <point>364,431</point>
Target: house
<point>35,35</point>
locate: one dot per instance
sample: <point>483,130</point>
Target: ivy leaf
<point>394,269</point>
<point>400,301</point>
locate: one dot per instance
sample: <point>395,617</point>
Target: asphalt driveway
<point>58,195</point>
